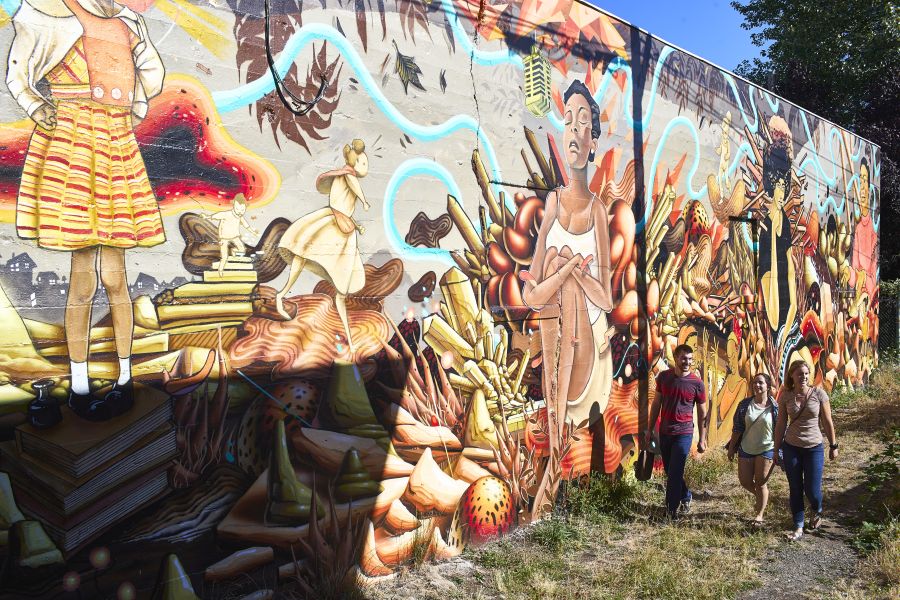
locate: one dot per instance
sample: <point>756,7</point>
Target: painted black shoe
<point>88,407</point>
<point>44,413</point>
<point>120,398</point>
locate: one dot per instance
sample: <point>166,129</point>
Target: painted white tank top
<point>581,243</point>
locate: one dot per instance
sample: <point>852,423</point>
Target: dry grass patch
<point>708,469</point>
<point>686,562</point>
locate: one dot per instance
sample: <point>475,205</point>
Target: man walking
<point>678,390</point>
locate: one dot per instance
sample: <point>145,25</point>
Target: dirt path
<point>808,568</point>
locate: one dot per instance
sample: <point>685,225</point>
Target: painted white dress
<point>327,238</point>
<point>599,384</point>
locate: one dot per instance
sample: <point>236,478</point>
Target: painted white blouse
<point>45,32</point>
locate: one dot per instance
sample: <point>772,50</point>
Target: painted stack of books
<point>222,299</point>
<point>80,478</point>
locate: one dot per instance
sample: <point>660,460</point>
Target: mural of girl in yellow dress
<point>84,187</point>
<point>326,241</point>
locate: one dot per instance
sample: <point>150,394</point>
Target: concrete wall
<point>548,202</point>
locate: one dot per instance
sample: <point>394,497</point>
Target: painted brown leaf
<point>412,13</point>
<point>249,29</point>
<point>250,57</point>
<point>361,25</point>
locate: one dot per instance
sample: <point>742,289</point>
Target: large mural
<point>296,294</point>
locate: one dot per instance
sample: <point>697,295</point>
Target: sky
<point>710,29</point>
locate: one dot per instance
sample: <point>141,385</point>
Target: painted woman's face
<point>362,165</point>
<point>779,195</point>
<point>577,136</point>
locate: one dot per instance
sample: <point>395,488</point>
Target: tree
<point>841,60</point>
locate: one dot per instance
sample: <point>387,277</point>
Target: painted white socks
<point>124,370</point>
<point>80,384</point>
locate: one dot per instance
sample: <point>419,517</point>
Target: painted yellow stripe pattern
<point>207,29</point>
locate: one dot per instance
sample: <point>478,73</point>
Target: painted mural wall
<point>295,293</point>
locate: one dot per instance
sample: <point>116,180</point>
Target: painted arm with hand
<point>598,290</point>
<point>540,287</point>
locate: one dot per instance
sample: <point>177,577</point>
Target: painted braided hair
<point>578,87</point>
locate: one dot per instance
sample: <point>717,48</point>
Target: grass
<point>708,469</point>
<point>518,571</point>
<point>883,565</point>
<point>601,497</point>
<point>603,546</point>
<point>844,397</point>
<point>556,534</point>
<point>679,562</point>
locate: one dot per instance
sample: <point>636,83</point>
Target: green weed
<point>708,469</point>
<point>555,534</point>
<point>602,497</point>
<point>685,563</point>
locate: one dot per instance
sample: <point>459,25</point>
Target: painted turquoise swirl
<point>415,167</point>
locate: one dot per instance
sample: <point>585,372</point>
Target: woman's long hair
<point>789,376</point>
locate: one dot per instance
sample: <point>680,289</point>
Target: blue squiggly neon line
<point>480,57</point>
<point>743,149</point>
<point>10,6</point>
<point>813,158</point>
<point>774,102</point>
<point>753,127</point>
<point>619,64</point>
<point>234,99</point>
<point>692,194</point>
<point>859,148</point>
<point>412,168</point>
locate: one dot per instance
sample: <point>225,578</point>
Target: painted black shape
<point>11,173</point>
<point>173,156</point>
<point>291,101</point>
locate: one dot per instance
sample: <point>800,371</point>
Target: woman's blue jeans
<point>675,450</point>
<point>803,467</point>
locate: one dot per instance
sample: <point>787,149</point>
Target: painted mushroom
<point>485,512</point>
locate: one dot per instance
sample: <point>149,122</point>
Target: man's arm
<point>702,410</point>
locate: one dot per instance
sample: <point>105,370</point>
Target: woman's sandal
<point>815,522</point>
<point>795,535</point>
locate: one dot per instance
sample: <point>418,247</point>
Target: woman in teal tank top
<point>753,440</point>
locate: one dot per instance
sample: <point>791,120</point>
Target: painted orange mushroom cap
<point>485,510</point>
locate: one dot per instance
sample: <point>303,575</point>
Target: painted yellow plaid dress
<point>85,183</point>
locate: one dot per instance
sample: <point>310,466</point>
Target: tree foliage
<point>841,60</point>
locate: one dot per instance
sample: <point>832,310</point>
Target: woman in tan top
<point>803,412</point>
